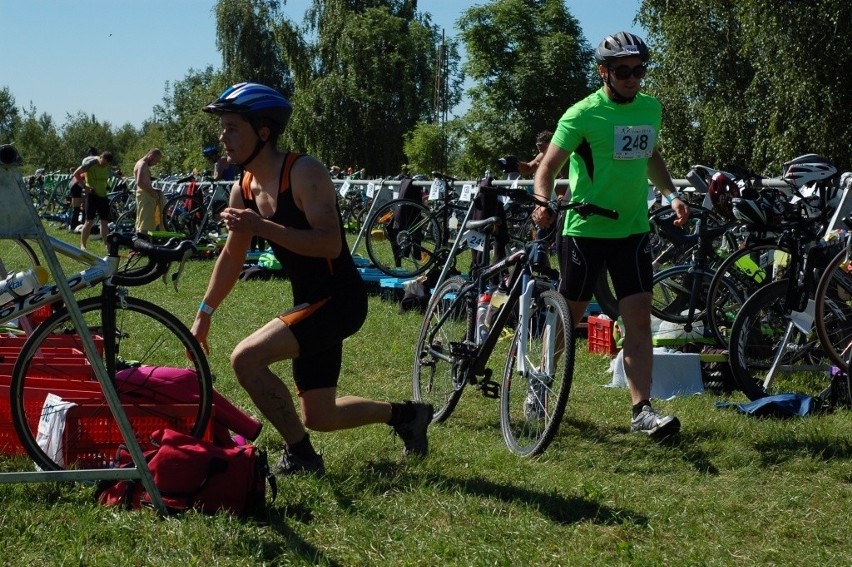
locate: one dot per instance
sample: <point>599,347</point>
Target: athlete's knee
<point>243,361</point>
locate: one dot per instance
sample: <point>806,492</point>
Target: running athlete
<point>610,141</point>
<point>289,200</point>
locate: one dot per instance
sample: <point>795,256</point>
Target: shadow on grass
<point>293,544</point>
<point>384,476</point>
<point>685,444</point>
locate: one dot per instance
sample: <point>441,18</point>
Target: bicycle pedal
<point>489,389</point>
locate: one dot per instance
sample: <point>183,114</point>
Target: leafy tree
<point>430,144</point>
<point>364,80</point>
<point>752,81</point>
<point>180,128</point>
<point>530,61</point>
<point>250,52</point>
<point>9,117</point>
<point>36,140</point>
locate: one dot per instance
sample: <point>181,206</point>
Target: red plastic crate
<point>600,333</point>
<point>66,341</point>
<point>9,444</point>
<point>92,438</point>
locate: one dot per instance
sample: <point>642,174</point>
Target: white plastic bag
<point>51,426</point>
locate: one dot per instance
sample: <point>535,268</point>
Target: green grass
<point>731,490</point>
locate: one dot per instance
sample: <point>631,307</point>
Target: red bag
<point>193,473</point>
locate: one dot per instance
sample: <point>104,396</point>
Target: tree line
<point>375,85</point>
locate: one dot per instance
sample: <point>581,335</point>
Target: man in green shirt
<point>610,142</point>
<point>97,171</point>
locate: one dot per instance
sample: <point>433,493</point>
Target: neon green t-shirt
<point>610,144</point>
<point>97,177</point>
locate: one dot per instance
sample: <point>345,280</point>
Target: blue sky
<point>112,58</point>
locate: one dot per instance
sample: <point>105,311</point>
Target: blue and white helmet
<point>255,101</point>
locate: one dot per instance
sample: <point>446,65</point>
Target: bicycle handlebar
<point>583,209</point>
<point>159,258</point>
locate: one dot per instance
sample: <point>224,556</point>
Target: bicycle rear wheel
<point>769,354</point>
<point>445,337</point>
<point>533,402</point>
<point>402,238</point>
<point>146,338</point>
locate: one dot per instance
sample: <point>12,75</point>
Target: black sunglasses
<point>623,72</point>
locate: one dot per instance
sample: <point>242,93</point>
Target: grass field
<point>731,490</point>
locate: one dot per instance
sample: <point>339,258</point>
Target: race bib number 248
<point>634,142</point>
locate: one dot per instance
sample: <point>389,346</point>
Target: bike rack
<point>19,219</point>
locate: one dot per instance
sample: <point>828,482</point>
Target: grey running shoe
<point>413,432</point>
<point>654,425</point>
<point>534,402</point>
<point>291,464</point>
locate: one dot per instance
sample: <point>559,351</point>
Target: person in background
<point>97,171</point>
<point>150,203</point>
<point>289,199</point>
<point>610,142</point>
<point>222,170</point>
<point>76,192</point>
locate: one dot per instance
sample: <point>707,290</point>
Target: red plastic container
<point>600,333</point>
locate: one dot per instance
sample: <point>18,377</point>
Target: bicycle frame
<point>99,270</point>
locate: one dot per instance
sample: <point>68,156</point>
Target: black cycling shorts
<point>97,206</point>
<point>319,329</point>
<point>628,261</point>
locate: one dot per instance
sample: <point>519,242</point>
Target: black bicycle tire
<point>544,435</point>
<point>753,345</point>
<point>448,398</point>
<point>23,388</point>
<point>380,242</point>
<point>685,290</point>
<point>834,325</point>
<point>20,260</point>
<point>126,222</point>
<point>714,321</point>
<point>179,218</point>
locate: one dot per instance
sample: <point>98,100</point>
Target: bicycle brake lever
<point>176,276</point>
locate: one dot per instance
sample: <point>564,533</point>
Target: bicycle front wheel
<point>146,340</point>
<point>402,238</point>
<point>444,347</point>
<point>537,376</point>
<point>770,354</point>
<point>833,316</point>
<point>16,255</point>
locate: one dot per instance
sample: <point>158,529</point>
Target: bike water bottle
<point>482,307</point>
<point>20,284</point>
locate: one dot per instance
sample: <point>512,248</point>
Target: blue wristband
<point>671,197</point>
<point>204,308</point>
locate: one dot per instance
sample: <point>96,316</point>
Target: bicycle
<point>196,214</point>
<point>773,345</point>
<point>135,336</point>
<point>405,238</point>
<point>453,350</point>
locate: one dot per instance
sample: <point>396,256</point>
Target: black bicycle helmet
<point>620,45</point>
<point>210,150</point>
<point>256,103</point>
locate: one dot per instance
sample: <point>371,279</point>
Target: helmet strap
<point>258,147</point>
